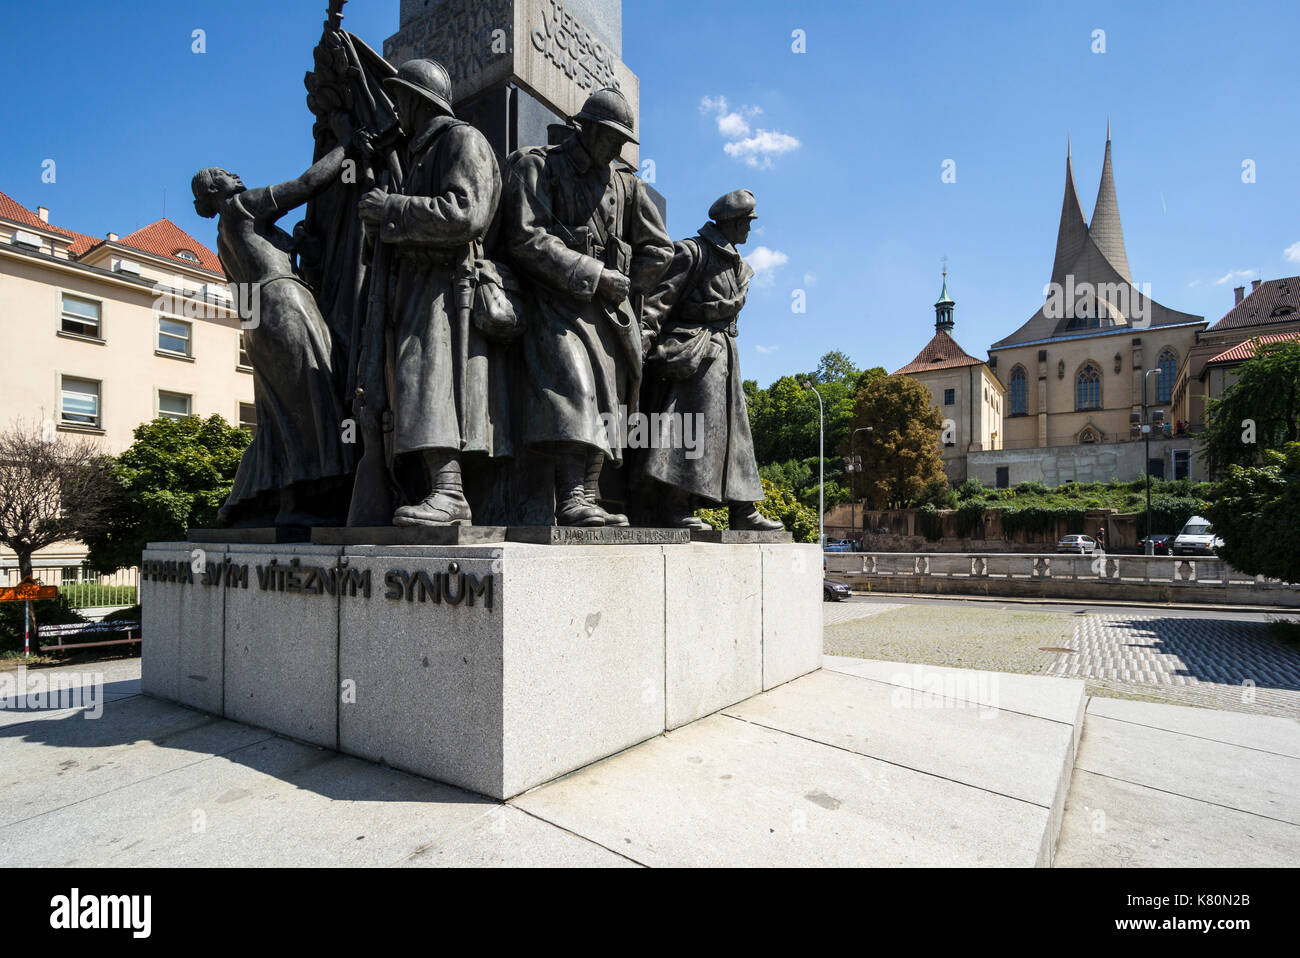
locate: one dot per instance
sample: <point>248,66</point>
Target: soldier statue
<point>579,223</point>
<point>693,369</point>
<point>434,227</point>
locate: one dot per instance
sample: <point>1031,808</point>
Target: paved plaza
<point>1229,661</point>
<point>867,761</point>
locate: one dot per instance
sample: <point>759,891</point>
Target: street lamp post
<point>821,466</point>
<point>1146,433</point>
<point>854,469</point>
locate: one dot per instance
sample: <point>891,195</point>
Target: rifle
<point>374,492</point>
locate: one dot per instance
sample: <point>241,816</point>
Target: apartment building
<point>102,334</point>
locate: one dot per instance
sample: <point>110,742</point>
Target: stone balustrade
<point>1100,575</point>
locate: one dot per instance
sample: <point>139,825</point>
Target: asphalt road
<point>1075,607</point>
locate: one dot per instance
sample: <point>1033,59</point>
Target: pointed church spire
<point>1105,228</point>
<point>943,321</point>
<point>1073,231</point>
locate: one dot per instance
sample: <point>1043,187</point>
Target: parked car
<point>1159,544</point>
<point>1196,538</point>
<point>838,545</point>
<point>833,591</point>
<point>1079,545</point>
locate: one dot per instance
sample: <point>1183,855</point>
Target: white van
<point>1197,538</point>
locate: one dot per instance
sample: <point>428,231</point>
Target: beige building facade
<point>1270,313</point>
<point>102,335</point>
<point>963,389</point>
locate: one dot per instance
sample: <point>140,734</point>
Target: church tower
<point>943,321</point>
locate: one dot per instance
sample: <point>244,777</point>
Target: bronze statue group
<point>446,338</point>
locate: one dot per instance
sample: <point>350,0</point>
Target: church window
<point>1087,387</point>
<point>1019,392</point>
<point>949,397</point>
<point>1168,365</point>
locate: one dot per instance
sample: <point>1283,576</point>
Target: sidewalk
<point>845,766</point>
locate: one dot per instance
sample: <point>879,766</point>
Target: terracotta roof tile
<point>164,238</point>
<point>11,209</point>
<point>942,352</point>
<point>1275,301</point>
<point>1243,351</point>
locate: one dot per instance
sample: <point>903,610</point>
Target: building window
<point>248,418</point>
<point>1004,477</point>
<point>949,397</point>
<point>173,405</point>
<point>1087,387</point>
<point>79,402</point>
<point>1019,392</point>
<point>1168,364</point>
<point>1089,434</point>
<point>173,336</point>
<point>188,255</point>
<point>244,361</point>
<point>80,316</point>
<point>1182,463</point>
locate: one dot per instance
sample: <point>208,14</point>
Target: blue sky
<point>844,144</point>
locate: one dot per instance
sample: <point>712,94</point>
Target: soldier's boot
<point>572,507</point>
<point>445,505</point>
<point>678,513</point>
<point>746,518</point>
<point>591,490</point>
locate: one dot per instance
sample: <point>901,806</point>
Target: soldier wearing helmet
<point>442,399</point>
<point>580,223</point>
<point>694,369</point>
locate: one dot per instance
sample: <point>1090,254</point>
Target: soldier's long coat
<point>694,370</point>
<point>447,382</point>
<point>583,354</point>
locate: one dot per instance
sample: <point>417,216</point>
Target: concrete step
<point>861,763</point>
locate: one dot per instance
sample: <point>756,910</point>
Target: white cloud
<point>743,143</point>
<point>1292,253</point>
<point>764,263</point>
<point>810,279</point>
<point>766,349</point>
<point>759,149</point>
<point>1233,274</point>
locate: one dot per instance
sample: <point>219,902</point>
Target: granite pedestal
<point>495,667</point>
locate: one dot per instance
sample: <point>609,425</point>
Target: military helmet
<point>426,78</point>
<point>735,204</point>
<point>610,108</point>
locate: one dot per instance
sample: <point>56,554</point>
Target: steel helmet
<point>427,78</point>
<point>610,108</point>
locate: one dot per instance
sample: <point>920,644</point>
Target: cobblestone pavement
<point>1195,661</point>
<point>1202,661</point>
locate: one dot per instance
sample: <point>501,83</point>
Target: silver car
<point>1079,545</point>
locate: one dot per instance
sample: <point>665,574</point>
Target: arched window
<point>1019,392</point>
<point>1089,434</point>
<point>1168,365</point>
<point>1087,387</point>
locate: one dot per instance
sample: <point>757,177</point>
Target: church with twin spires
<point>1069,380</point>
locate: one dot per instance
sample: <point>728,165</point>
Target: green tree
<point>174,476</point>
<point>53,486</point>
<point>900,456</point>
<point>1260,411</point>
<point>1256,511</point>
<point>836,367</point>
